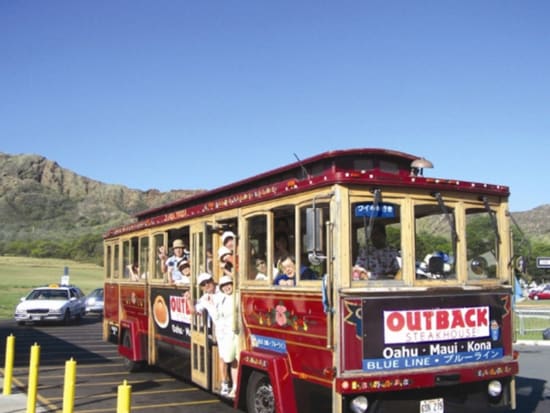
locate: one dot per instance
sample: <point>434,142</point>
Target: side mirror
<point>520,264</point>
<point>314,230</point>
<point>479,265</point>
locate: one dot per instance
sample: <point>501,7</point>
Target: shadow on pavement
<point>53,349</point>
<point>530,392</point>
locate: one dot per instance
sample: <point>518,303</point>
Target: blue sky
<point>198,94</point>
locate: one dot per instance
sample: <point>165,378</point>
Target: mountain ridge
<point>40,199</point>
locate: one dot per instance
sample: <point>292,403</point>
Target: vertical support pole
<point>124,398</point>
<point>33,378</point>
<point>521,324</point>
<point>68,389</point>
<point>8,364</point>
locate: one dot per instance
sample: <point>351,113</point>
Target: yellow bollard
<point>8,365</point>
<point>124,398</point>
<point>33,378</point>
<point>70,383</point>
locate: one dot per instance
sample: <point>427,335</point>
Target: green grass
<point>18,275</point>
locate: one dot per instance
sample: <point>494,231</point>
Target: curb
<point>532,343</point>
<point>16,402</point>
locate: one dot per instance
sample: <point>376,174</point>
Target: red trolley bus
<point>422,323</point>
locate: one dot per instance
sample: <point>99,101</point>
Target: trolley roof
<point>364,166</point>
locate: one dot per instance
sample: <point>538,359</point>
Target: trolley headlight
<point>494,388</point>
<point>359,404</point>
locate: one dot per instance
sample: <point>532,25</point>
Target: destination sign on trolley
<point>382,210</point>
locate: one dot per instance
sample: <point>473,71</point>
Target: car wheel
<point>67,317</point>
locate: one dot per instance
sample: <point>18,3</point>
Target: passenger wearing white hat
<point>228,239</point>
<point>226,252</point>
<point>223,252</point>
<point>226,337</point>
<point>204,278</point>
<point>209,293</point>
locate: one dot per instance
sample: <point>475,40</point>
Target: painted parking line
<point>137,393</point>
<point>154,406</point>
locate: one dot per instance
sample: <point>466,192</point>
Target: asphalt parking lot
<point>99,373</point>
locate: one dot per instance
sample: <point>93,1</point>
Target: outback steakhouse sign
<point>430,331</point>
<point>435,325</point>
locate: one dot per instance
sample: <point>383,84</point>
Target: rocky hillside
<point>535,223</point>
<point>41,200</point>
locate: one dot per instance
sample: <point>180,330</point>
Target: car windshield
<point>48,294</point>
<point>98,293</point>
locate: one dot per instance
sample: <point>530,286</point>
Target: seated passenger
<point>133,270</point>
<point>288,274</point>
<point>379,260</point>
<point>261,268</point>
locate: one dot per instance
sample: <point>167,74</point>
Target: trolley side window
<point>108,262</point>
<point>143,259</point>
<point>258,267</point>
<point>116,261</point>
<point>284,246</point>
<point>160,252</point>
<point>130,262</point>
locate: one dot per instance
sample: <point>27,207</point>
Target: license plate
<point>431,406</point>
<point>36,317</point>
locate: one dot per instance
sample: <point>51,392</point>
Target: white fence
<point>531,321</point>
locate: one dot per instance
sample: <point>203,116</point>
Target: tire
<point>130,365</point>
<point>67,317</point>
<point>259,394</point>
<point>536,297</point>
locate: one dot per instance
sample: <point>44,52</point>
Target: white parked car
<point>51,303</point>
<point>94,302</point>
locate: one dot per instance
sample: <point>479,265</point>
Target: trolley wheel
<point>259,394</point>
<point>130,365</point>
